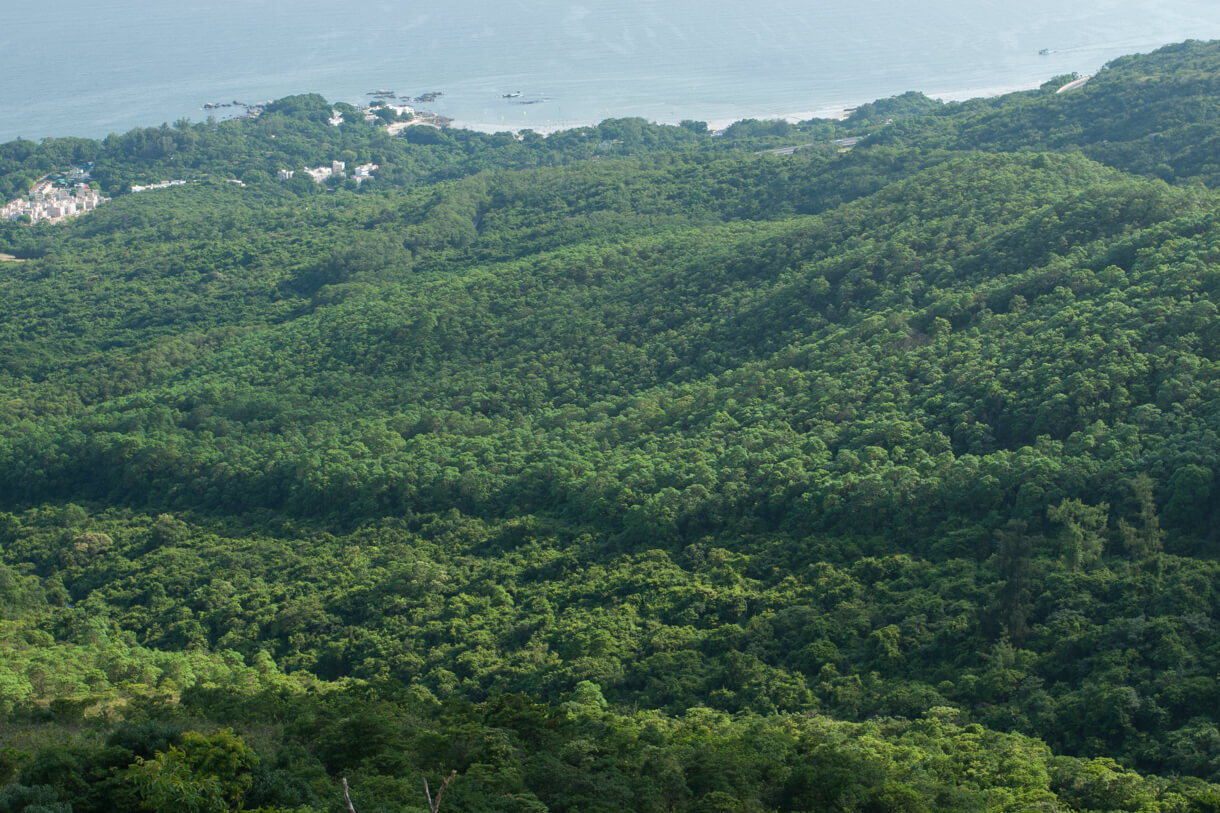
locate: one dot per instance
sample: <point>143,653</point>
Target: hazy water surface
<point>71,67</point>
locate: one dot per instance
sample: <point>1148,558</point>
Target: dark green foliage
<point>144,739</point>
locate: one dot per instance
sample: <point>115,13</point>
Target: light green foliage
<point>1143,540</point>
<point>1082,539</point>
<point>205,774</point>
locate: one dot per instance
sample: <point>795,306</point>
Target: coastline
<point>837,112</point>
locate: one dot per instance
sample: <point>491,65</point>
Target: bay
<point>77,68</point>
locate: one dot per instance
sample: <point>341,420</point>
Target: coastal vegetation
<point>630,468</point>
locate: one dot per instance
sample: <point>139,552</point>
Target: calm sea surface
<point>91,67</point>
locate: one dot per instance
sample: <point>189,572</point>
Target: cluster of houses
<point>51,202</point>
<point>63,195</point>
<point>337,169</point>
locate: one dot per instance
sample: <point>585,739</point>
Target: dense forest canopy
<point>636,467</point>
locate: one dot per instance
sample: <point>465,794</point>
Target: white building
<point>363,172</point>
<point>162,185</point>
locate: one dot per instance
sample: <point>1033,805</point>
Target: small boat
<point>516,94</point>
<point>1044,52</point>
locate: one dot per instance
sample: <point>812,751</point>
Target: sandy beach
<point>837,112</point>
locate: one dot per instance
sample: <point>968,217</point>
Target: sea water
<point>92,67</point>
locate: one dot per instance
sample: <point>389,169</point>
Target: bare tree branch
<point>347,798</point>
<point>435,806</point>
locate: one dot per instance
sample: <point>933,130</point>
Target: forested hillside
<point>631,468</point>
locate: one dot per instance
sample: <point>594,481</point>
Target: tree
<point>1014,550</point>
<point>206,774</point>
<point>1189,496</point>
<point>1145,540</point>
<point>1082,539</point>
